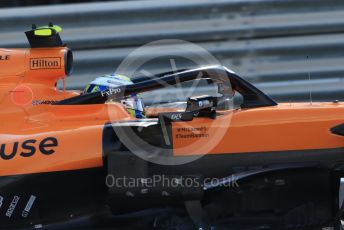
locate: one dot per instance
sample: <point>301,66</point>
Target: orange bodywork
<point>25,85</point>
<point>29,75</point>
<point>297,126</point>
<point>28,78</point>
<point>78,130</point>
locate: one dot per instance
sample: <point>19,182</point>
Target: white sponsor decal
<point>177,116</point>
<point>12,206</point>
<point>28,206</point>
<point>1,201</point>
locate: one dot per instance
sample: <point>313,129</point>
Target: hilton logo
<point>45,63</point>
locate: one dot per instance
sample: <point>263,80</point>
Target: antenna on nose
<point>310,84</point>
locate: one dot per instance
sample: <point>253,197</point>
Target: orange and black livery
<point>67,159</point>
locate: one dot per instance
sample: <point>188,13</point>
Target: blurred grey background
<point>286,48</point>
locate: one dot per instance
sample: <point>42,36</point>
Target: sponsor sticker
<point>43,102</point>
<point>177,116</point>
<point>4,57</point>
<point>192,132</point>
<point>45,63</point>
<point>31,146</point>
<point>12,206</point>
<point>28,206</point>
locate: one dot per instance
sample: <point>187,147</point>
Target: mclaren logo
<point>45,63</point>
<point>28,148</point>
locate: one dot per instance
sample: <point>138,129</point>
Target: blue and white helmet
<point>133,104</point>
<point>106,82</point>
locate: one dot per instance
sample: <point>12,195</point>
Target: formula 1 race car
<point>78,160</point>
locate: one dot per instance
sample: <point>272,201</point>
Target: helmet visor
<point>136,104</point>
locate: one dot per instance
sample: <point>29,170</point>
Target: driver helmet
<point>133,104</point>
